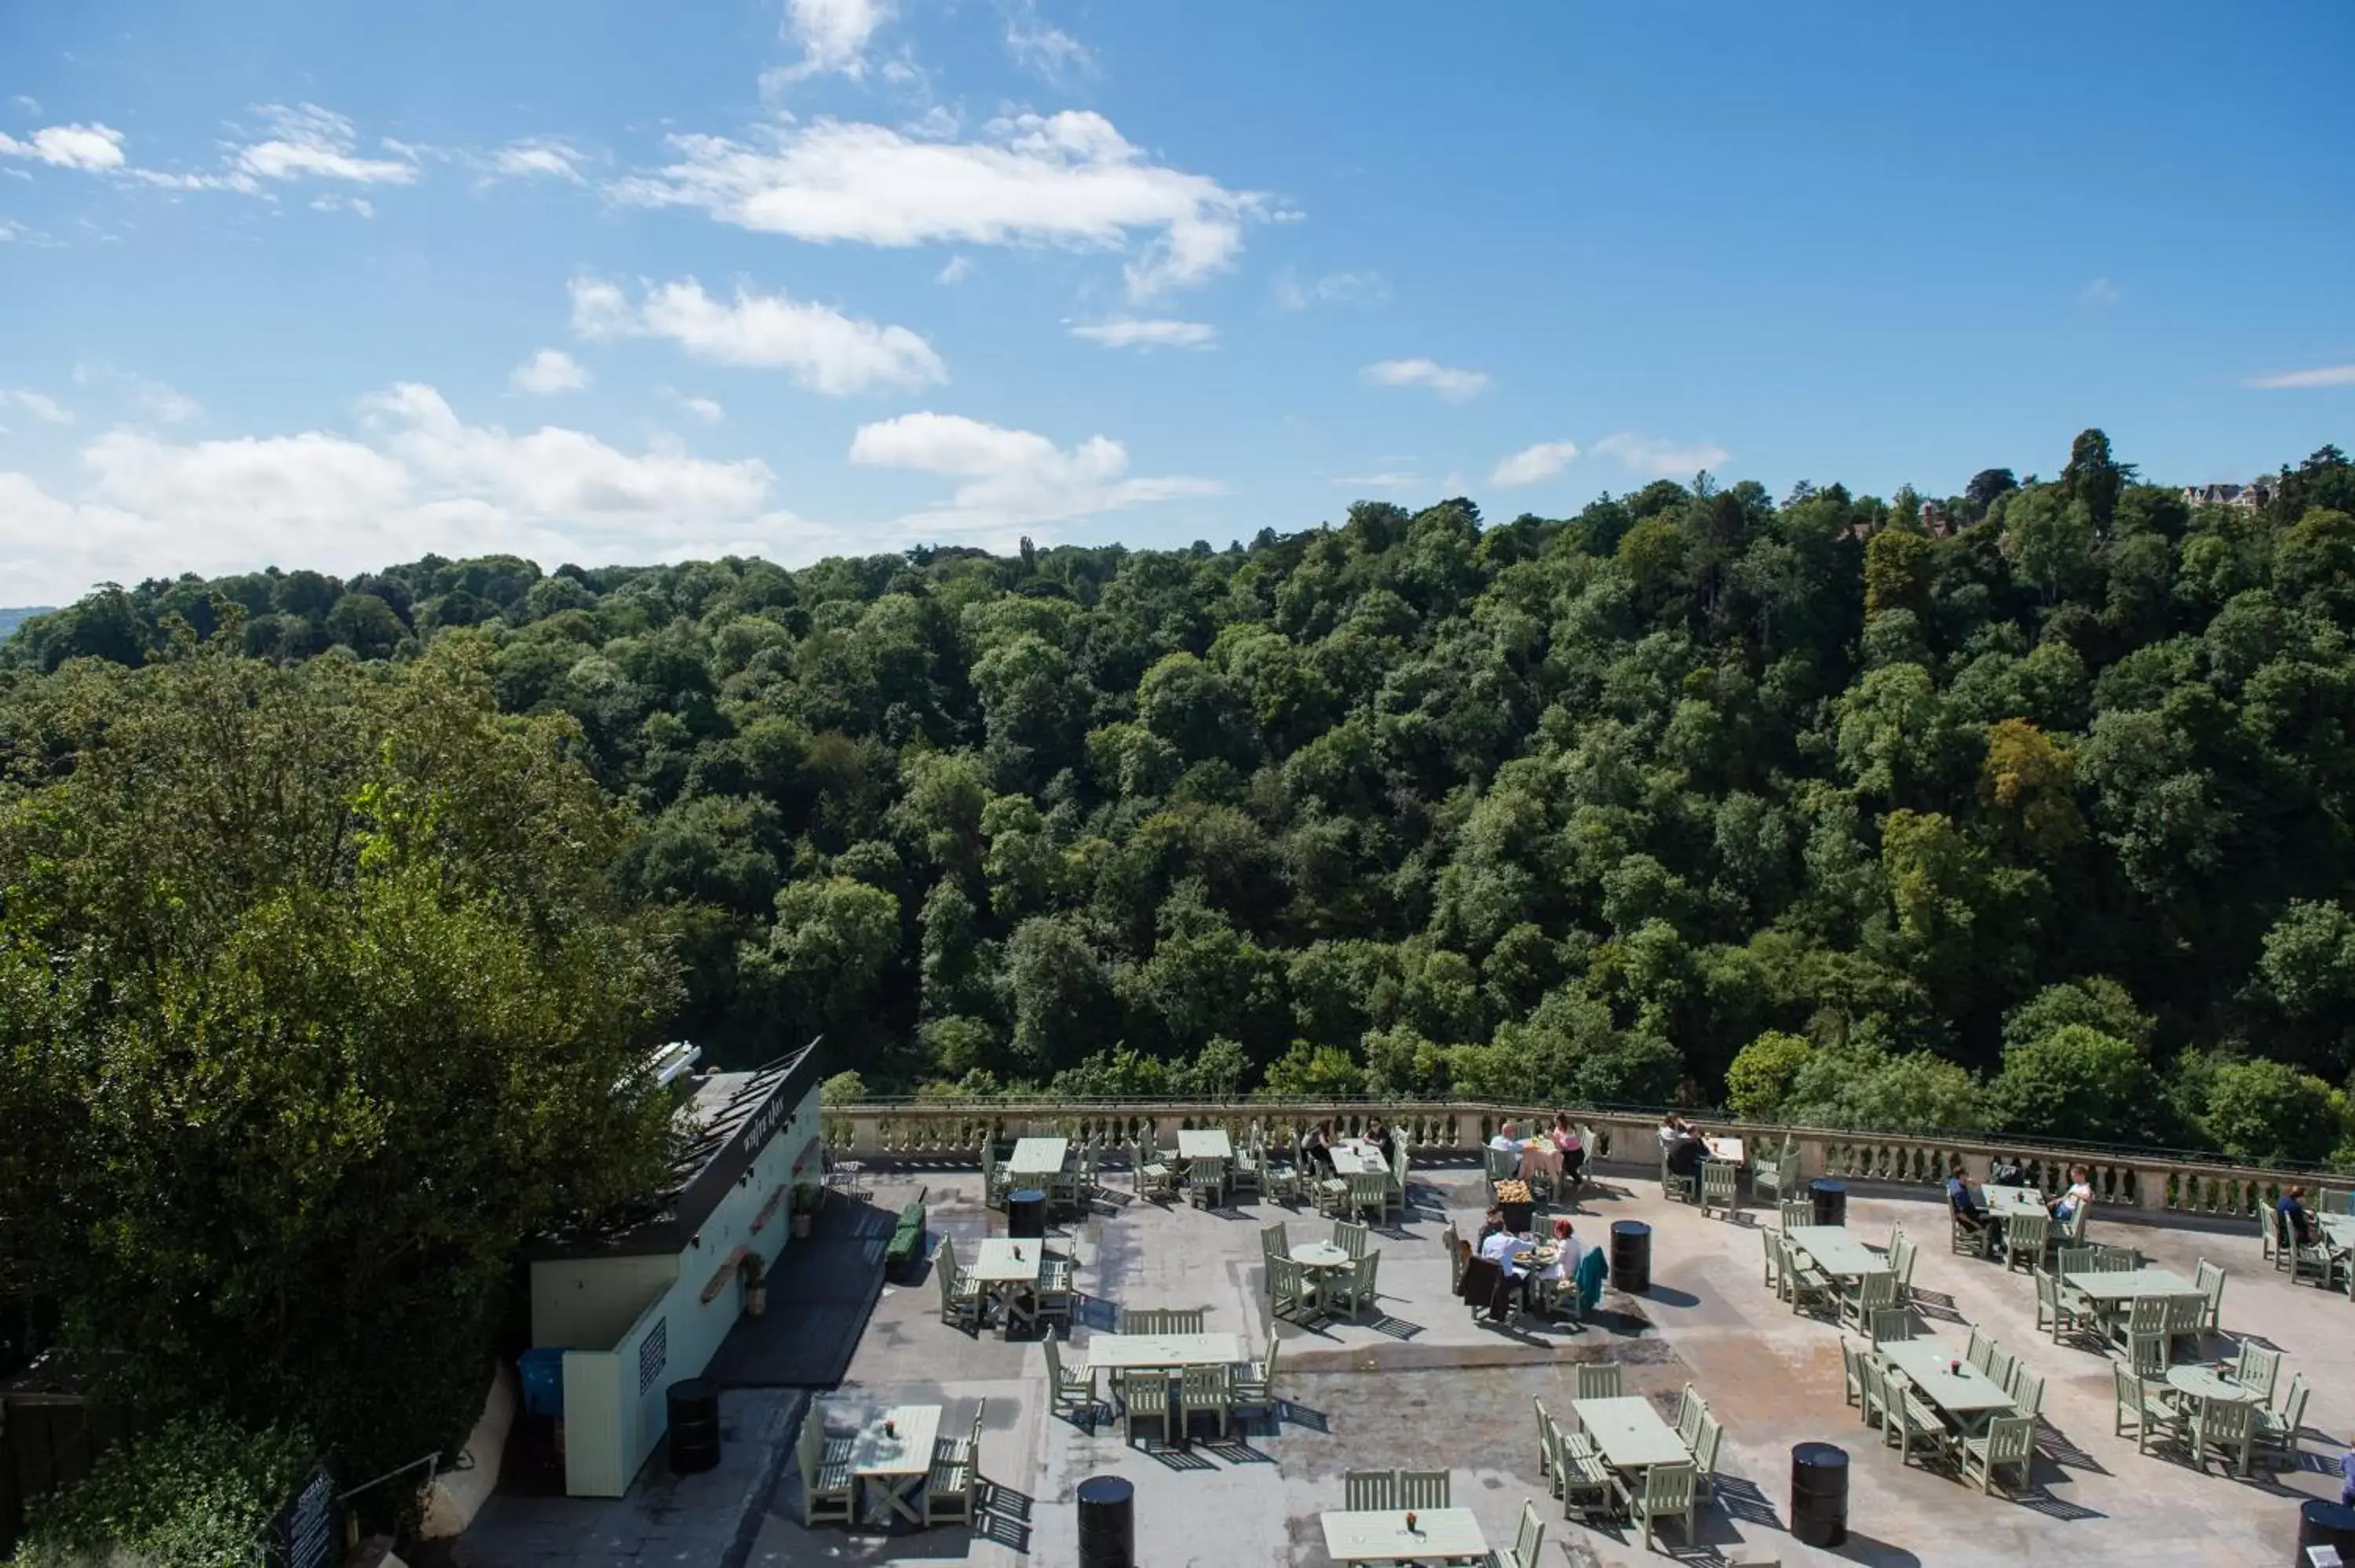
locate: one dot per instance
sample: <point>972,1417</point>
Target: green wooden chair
<point>1422,1490</point>
<point>2225,1428</point>
<point>1206,1183</point>
<point>1253,1386</point>
<point>1851,1374</point>
<point>2258,1368</point>
<point>1248,1169</point>
<point>1917,1425</point>
<point>1717,1190</point>
<point>1527,1543</point>
<point>1501,1164</point>
<point>1892,1325</point>
<point>2027,1390</point>
<point>2276,1430</point>
<point>960,1291</point>
<point>1396,1199</point>
<point>2008,1441</point>
<point>953,1487</point>
<point>1704,1452</point>
<point>1804,1282</point>
<point>995,1180</point>
<point>1143,1394</point>
<point>1872,1292</point>
<point>1368,1193</point>
<point>1155,1179</point>
<point>1288,1294</point>
<point>1796,1212</point>
<point>1980,1347</point>
<point>1690,1411</point>
<point>1207,1390</point>
<point>1351,1238</point>
<point>1771,1244</point>
<point>2210,1277</point>
<point>1370,1492</point>
<point>2146,1410</point>
<point>829,1488</point>
<point>2057,1306</point>
<point>2000,1365</point>
<point>1356,1287</point>
<point>1682,1189</point>
<point>2024,1240</point>
<point>1072,1387</point>
<point>1666,1492</point>
<point>1873,1407</point>
<point>1597,1380</point>
<point>1586,1479</point>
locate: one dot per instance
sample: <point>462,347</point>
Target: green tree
<point>1762,1076</point>
<point>2076,1083</point>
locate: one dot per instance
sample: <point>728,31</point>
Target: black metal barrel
<point>1831,1200</point>
<point>1820,1493</point>
<point>1107,1523</point>
<point>2321,1522</point>
<point>694,1407</point>
<point>1026,1213</point>
<point>1631,1256</point>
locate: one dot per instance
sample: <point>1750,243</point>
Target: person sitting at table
<point>1500,1249</point>
<point>1672,1129</point>
<point>1382,1139</point>
<point>1561,1276</point>
<point>2294,1217</point>
<point>1685,1155</point>
<point>1572,1146</point>
<point>1490,1226</point>
<point>1968,1212</point>
<point>1316,1149</point>
<point>2080,1193</point>
<point>1508,1137</point>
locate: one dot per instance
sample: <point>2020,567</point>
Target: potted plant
<point>808,1197</point>
<point>755,1273</point>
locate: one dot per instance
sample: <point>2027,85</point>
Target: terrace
<point>1420,1384</point>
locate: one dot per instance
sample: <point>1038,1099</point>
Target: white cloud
<point>704,408</point>
<point>1332,289</point>
<point>549,371</point>
<point>833,34</point>
<point>1532,464</point>
<point>2321,376</point>
<point>2100,294</point>
<point>956,269</point>
<point>1387,480</point>
<point>11,230</point>
<point>825,350</point>
<point>418,479</point>
<point>1661,459</point>
<point>1051,52</point>
<point>1455,385</point>
<point>159,400</point>
<point>94,148</point>
<point>311,143</point>
<point>1068,179</point>
<point>1011,477</point>
<point>541,157</point>
<point>359,206</point>
<point>39,404</point>
<point>1130,333</point>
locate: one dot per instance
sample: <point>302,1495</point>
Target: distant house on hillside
<point>2247,497</point>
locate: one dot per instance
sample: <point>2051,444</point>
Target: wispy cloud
<point>39,404</point>
<point>833,34</point>
<point>2294,380</point>
<point>1534,464</point>
<point>1069,180</point>
<point>1455,385</point>
<point>538,158</point>
<point>1049,51</point>
<point>1130,333</point>
<point>1661,458</point>
<point>306,142</point>
<point>1332,289</point>
<point>2100,294</point>
<point>1391,479</point>
<point>825,350</point>
<point>955,269</point>
<point>549,371</point>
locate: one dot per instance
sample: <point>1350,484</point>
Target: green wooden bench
<point>907,1249</point>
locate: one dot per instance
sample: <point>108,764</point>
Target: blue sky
<point>332,286</point>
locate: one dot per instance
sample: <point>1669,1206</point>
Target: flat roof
<point>726,1121</point>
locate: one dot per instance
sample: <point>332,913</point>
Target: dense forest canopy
<point>2026,808</point>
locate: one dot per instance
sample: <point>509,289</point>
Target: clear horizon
<point>587,283</point>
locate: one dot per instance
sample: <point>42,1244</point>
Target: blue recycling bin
<point>541,1370</point>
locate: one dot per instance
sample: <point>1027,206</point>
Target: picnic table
<point>890,1458</point>
<point>2008,1202</point>
<point>2112,1294</point>
<point>1115,1352</point>
<point>1205,1143</point>
<point>2208,1382</point>
<point>1965,1393</point>
<point>1630,1433</point>
<point>1005,1266</point>
<point>1381,1536</point>
<point>1835,1251</point>
<point>1362,1161</point>
<point>1729,1150</point>
<point>1038,1157</point>
<point>2339,1230</point>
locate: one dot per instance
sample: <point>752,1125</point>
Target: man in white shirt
<point>1500,1248</point>
<point>1510,1139</point>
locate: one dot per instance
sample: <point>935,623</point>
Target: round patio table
<point>1320,1259</point>
<point>2209,1382</point>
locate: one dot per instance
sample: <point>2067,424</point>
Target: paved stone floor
<point>1429,1387</point>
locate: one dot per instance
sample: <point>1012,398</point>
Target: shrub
<point>2078,1083</point>
<point>2267,1110</point>
<point>195,1493</point>
<point>1759,1077</point>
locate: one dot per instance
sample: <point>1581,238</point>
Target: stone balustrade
<point>920,1132</point>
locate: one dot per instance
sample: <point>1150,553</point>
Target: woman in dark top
<point>1316,1150</point>
<point>1378,1134</point>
